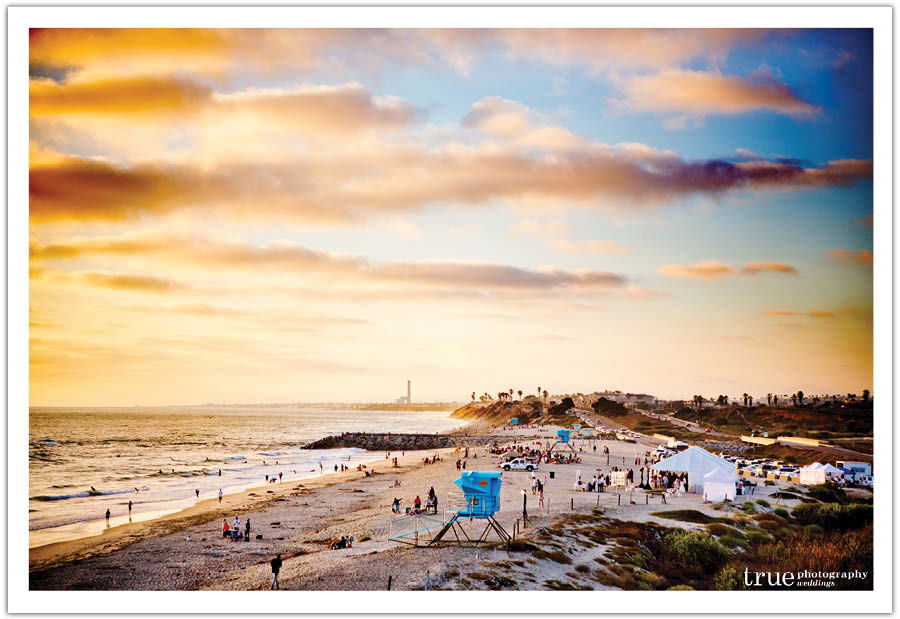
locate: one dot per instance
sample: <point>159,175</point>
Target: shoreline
<point>255,498</point>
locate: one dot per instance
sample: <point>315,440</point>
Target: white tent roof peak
<point>693,459</point>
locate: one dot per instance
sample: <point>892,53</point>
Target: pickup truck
<point>519,464</point>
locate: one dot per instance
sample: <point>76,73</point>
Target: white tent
<point>817,473</point>
<point>696,462</point>
<point>813,474</point>
<point>832,471</point>
<point>718,485</point>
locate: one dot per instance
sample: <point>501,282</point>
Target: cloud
<point>821,313</point>
<point>292,258</point>
<point>701,93</point>
<point>115,281</point>
<point>335,109</point>
<point>709,270</point>
<point>780,313</point>
<point>234,52</point>
<point>745,153</point>
<point>862,257</point>
<point>515,122</point>
<point>47,97</point>
<point>754,268</point>
<point>867,221</point>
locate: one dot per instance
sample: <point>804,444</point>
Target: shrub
<point>691,549</point>
<point>758,537</point>
<point>833,516</point>
<point>769,525</point>
<point>689,515</point>
<point>718,529</point>
<point>827,493</point>
<point>681,588</point>
<point>763,502</point>
<point>582,568</point>
<point>782,512</point>
<point>730,541</point>
<point>728,579</point>
<point>814,529</point>
<point>559,556</point>
<point>749,508</point>
<point>769,482</point>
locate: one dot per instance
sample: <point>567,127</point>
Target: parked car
<point>519,464</point>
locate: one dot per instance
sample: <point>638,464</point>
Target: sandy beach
<point>300,519</point>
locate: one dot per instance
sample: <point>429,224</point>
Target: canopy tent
<point>818,473</point>
<point>696,462</point>
<point>718,485</point>
<point>813,474</point>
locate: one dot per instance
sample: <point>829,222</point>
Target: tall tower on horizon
<point>409,392</point>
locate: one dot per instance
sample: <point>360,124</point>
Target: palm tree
<point>539,392</point>
<point>794,399</point>
<point>545,395</point>
<point>510,394</point>
<point>800,398</point>
<point>473,396</point>
<point>865,395</point>
<point>769,399</point>
<point>745,396</point>
<point>520,394</point>
<point>775,398</point>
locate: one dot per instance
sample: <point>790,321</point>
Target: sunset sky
<point>320,215</point>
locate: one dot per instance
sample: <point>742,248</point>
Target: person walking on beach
<point>279,477</point>
<point>107,517</point>
<point>276,567</point>
<point>220,495</point>
<point>197,492</point>
<point>129,510</point>
<point>321,469</point>
<point>247,530</point>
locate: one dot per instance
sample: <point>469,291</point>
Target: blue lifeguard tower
<point>513,421</point>
<point>482,492</point>
<point>563,436</point>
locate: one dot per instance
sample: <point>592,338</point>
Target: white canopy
<point>696,462</point>
<point>718,485</point>
<point>817,473</point>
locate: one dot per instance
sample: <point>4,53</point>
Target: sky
<point>321,215</point>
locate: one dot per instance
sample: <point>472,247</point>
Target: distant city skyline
<point>309,215</point>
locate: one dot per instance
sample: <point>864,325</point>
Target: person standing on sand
<point>247,530</point>
<point>129,509</point>
<point>220,495</point>
<point>197,492</point>
<point>107,517</point>
<point>279,477</point>
<point>220,472</point>
<point>276,567</point>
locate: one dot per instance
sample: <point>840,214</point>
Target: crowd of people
<point>233,531</point>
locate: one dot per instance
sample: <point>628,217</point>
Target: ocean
<point>85,461</point>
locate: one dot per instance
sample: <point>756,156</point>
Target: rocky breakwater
<point>374,441</point>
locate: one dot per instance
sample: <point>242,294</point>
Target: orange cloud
<point>867,221</point>
<point>754,268</point>
<point>701,92</point>
<point>287,258</point>
<point>395,178</point>
<point>780,313</point>
<point>711,269</point>
<point>862,257</point>
<point>821,313</point>
<point>47,97</point>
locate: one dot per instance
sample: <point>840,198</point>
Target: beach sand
<point>299,519</point>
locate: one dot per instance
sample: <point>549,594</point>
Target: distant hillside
<point>822,422</point>
<point>527,412</point>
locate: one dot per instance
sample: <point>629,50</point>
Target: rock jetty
<point>391,441</point>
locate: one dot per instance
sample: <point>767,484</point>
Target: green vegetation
<point>690,515</point>
<point>834,516</point>
<point>748,508</point>
<point>692,550</point>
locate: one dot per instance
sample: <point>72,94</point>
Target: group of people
<point>431,504</point>
<point>234,532</point>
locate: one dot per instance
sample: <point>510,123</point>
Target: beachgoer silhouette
<point>279,475</point>
<point>220,472</point>
<point>220,495</point>
<point>129,508</point>
<point>93,489</point>
<point>276,567</point>
<point>107,517</point>
<point>197,492</point>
